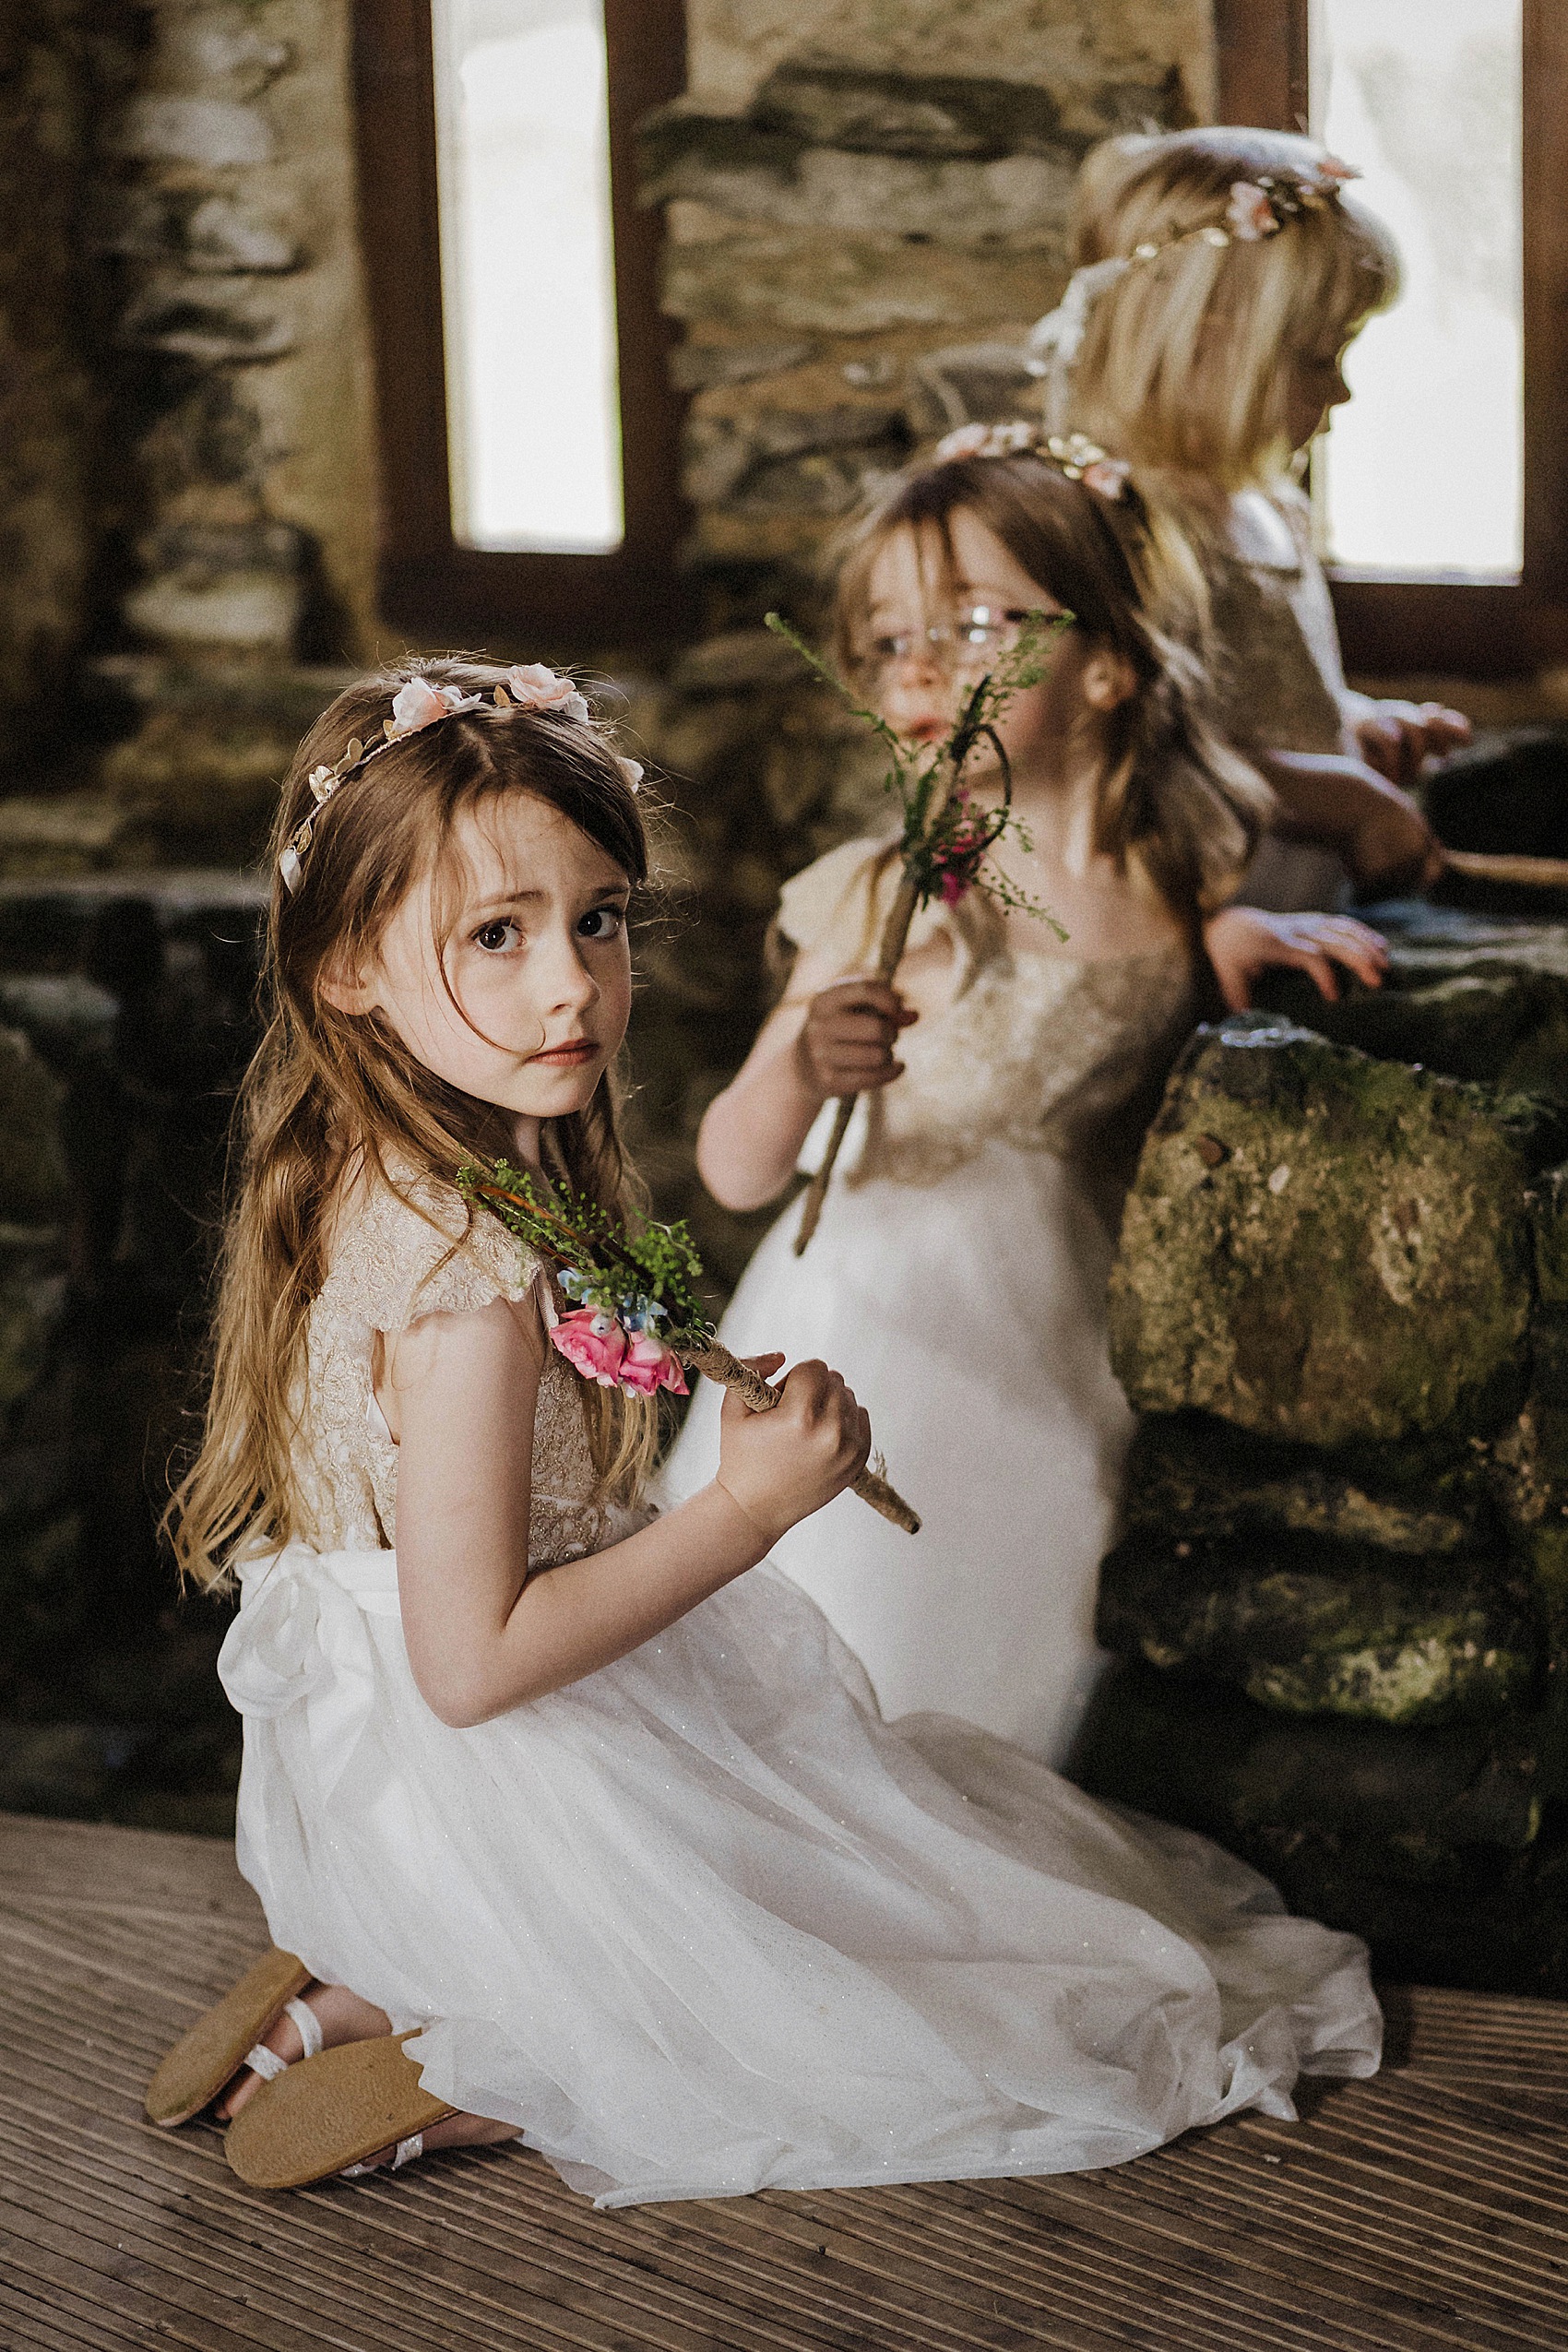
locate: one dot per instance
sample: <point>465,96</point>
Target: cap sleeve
<point>839,905</point>
<point>415,1251</point>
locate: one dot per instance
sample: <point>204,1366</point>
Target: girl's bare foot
<point>342,2016</point>
<point>452,2132</point>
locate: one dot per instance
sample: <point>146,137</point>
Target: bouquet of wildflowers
<point>946,837</point>
<point>638,1316</point>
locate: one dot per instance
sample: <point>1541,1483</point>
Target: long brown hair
<point>331,1095</point>
<point>1174,800</point>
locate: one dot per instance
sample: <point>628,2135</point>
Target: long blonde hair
<point>1174,802</point>
<point>1179,366</point>
<point>330,1095</point>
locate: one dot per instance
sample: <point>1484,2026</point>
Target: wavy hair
<point>1174,800</point>
<point>1179,366</point>
<point>333,1096</point>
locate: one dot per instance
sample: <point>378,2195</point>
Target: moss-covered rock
<point>1309,1626</point>
<point>1474,997</point>
<point>1326,1248</point>
<point>1200,1754</point>
<point>1202,1477</point>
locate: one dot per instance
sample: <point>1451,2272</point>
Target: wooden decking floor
<point>1427,2208</point>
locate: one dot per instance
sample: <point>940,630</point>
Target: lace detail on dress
<point>1033,1050</point>
<point>395,1261</point>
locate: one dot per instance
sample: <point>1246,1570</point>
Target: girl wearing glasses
<point>959,1274</point>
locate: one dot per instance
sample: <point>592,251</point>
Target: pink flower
<point>1108,475</point>
<point>953,889</point>
<point>1332,169</point>
<point>533,687</point>
<point>415,706</point>
<point>1250,215</point>
<point>592,1343</point>
<point>649,1365</point>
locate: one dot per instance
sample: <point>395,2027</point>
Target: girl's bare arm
<point>482,1636</point>
<point>831,1036</point>
<point>1347,806</point>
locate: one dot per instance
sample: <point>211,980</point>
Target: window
<point>1427,102</point>
<point>1443,490</point>
<point>528,427</point>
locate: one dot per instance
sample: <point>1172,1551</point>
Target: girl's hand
<point>846,1043</point>
<point>1398,738</point>
<point>780,1466</point>
<point>1243,942</point>
<point>1392,847</point>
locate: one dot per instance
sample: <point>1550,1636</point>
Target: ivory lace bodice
<point>395,1260</point>
<point>1034,1049</point>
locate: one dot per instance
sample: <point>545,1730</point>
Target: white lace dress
<point>701,1923</point>
<point>957,1280</point>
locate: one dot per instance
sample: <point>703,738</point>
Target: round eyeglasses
<point>974,639</point>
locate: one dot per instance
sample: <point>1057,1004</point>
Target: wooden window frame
<point>1401,624</point>
<point>559,604</point>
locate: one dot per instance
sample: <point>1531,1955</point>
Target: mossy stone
<point>1470,996</point>
<point>32,1164</point>
<point>1308,1626</point>
<point>1202,1477</point>
<point>1201,1754</point>
<point>1322,1247</point>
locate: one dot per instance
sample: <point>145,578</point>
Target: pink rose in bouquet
<point>649,1365</point>
<point>593,1344</point>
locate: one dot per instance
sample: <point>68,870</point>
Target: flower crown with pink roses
<point>420,704</point>
<point>1257,208</point>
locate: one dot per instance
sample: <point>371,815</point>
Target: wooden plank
<point>1425,2211</point>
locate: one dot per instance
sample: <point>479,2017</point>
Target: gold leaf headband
<point>420,704</point>
<point>1073,455</point>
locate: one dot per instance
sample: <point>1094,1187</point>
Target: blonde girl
<point>1219,275</point>
<point>571,1822</point>
<point>959,1271</point>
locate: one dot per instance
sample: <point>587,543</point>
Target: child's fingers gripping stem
<point>782,1463</point>
<point>846,1042</point>
<point>748,1392</point>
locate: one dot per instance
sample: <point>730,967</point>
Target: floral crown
<point>1257,208</point>
<point>1073,455</point>
<point>418,704</point>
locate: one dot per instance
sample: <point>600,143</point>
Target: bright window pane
<point>527,274</point>
<point>1422,471</point>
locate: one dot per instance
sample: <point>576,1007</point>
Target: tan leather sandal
<point>331,2114</point>
<point>229,2037</point>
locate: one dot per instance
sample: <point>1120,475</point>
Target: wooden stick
<point>895,939</point>
<point>1494,865</point>
<point>712,1358</point>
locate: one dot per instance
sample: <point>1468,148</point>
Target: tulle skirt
<point>969,1318</point>
<point>703,1923</point>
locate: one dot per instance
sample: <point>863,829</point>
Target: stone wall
<point>1341,1593</point>
<point>45,394</point>
<point>125,1023</point>
<point>195,521</point>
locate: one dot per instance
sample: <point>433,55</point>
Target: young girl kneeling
<point>592,1804</point>
<point>960,1270</point>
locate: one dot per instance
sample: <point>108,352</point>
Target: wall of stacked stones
<point>1340,1599</point>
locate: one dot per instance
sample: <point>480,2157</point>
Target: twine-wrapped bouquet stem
<point>630,1286</point>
